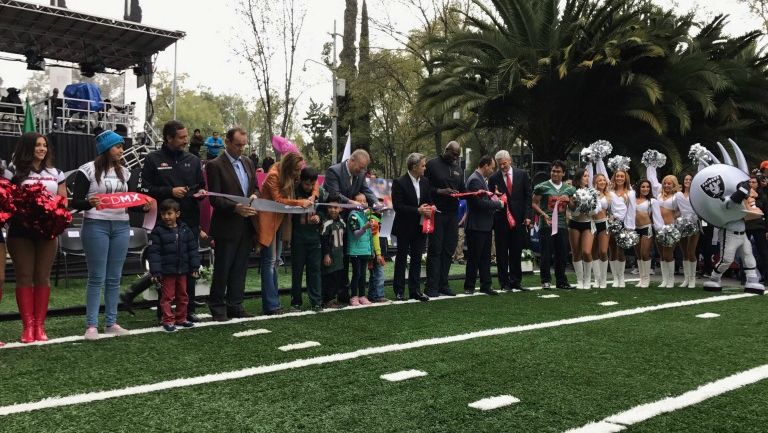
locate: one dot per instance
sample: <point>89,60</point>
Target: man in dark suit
<point>516,185</point>
<point>232,227</point>
<point>480,214</point>
<point>412,202</point>
<point>347,178</point>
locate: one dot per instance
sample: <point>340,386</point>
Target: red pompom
<point>40,212</point>
<point>7,208</point>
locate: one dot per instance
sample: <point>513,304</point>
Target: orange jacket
<point>270,222</point>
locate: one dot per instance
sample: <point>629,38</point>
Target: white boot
<point>692,275</point>
<point>622,267</point>
<point>615,272</point>
<point>640,273</point>
<point>596,271</point>
<point>579,268</point>
<point>645,273</point>
<point>753,283</point>
<point>670,274</point>
<point>714,284</point>
<point>587,275</point>
<point>686,274</point>
<point>603,283</point>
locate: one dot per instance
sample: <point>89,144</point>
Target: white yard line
<point>57,401</point>
<point>643,412</point>
<point>403,375</point>
<point>608,303</point>
<point>491,403</point>
<point>251,332</point>
<point>298,346</point>
<point>707,315</point>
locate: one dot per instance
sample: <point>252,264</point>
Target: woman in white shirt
<point>600,246</point>
<point>667,193</point>
<point>33,254</point>
<point>622,200</point>
<point>688,244</point>
<point>581,235</point>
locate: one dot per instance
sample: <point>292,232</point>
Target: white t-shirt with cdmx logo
<point>110,183</point>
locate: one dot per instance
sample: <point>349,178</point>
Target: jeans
<point>270,260</point>
<point>376,282</point>
<point>105,244</point>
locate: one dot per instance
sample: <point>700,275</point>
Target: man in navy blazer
<point>480,215</point>
<point>412,201</point>
<point>347,178</point>
<point>516,184</point>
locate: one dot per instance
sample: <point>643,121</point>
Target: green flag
<point>29,118</point>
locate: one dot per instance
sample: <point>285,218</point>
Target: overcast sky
<point>206,54</point>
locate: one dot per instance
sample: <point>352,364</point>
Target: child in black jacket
<point>173,253</point>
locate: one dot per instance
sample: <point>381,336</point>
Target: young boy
<point>332,240</point>
<point>305,245</point>
<point>360,250</point>
<point>173,253</point>
<point>376,282</point>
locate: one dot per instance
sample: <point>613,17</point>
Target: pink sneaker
<point>116,330</point>
<point>364,301</point>
<point>354,301</point>
<point>91,333</point>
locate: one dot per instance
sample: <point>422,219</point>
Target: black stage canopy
<point>69,36</point>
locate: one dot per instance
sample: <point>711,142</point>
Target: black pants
<point>509,246</point>
<point>760,251</point>
<point>359,270</point>
<point>305,254</point>
<point>442,245</point>
<point>557,244</point>
<point>191,283</point>
<point>707,249</point>
<point>332,281</point>
<point>478,259</point>
<point>229,270</point>
<point>412,246</point>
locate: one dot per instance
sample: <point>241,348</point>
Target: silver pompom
<point>668,236</point>
<point>687,225</point>
<point>619,163</point>
<point>601,148</point>
<point>588,155</point>
<point>585,200</point>
<point>627,239</point>
<point>698,153</point>
<point>653,158</point>
<point>614,226</point>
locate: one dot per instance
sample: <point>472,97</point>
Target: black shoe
<point>220,318</point>
<point>278,312</point>
<point>447,292</point>
<point>490,292</point>
<point>399,297</point>
<point>419,296</point>
<point>433,294</point>
<point>546,286</point>
<point>565,286</point>
<point>186,324</point>
<point>127,301</point>
<point>754,291</point>
<point>521,288</point>
<point>194,318</point>
<point>469,291</point>
<point>242,314</point>
<point>505,289</point>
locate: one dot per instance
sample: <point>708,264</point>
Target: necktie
<point>241,177</point>
<point>509,183</point>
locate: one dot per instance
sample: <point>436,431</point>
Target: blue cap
<point>106,140</point>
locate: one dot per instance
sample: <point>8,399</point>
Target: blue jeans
<point>270,261</point>
<point>105,244</point>
<point>376,283</point>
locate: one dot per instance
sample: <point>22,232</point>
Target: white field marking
<point>647,411</point>
<point>549,296</point>
<point>251,332</point>
<point>204,316</point>
<point>58,401</point>
<point>494,402</point>
<point>608,303</point>
<point>707,315</point>
<point>403,375</point>
<point>297,346</point>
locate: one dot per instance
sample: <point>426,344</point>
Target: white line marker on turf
<point>297,346</point>
<point>403,375</point>
<point>647,411</point>
<point>608,303</point>
<point>707,315</point>
<point>494,402</point>
<point>549,296</point>
<point>58,401</point>
<point>251,332</point>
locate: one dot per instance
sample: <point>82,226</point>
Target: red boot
<point>42,294</point>
<point>26,302</point>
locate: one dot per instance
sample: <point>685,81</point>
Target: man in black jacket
<point>170,172</point>
<point>480,211</point>
<point>516,185</point>
<point>412,202</point>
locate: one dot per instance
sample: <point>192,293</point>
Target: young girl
<point>667,193</point>
<point>622,200</point>
<point>580,235</point>
<point>645,208</point>
<point>33,254</point>
<point>360,250</point>
<point>688,244</point>
<point>600,245</point>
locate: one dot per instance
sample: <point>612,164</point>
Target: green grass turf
<point>565,377</point>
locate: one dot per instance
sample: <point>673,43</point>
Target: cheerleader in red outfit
<point>33,254</point>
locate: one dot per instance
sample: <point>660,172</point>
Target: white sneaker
<point>91,334</point>
<point>116,330</point>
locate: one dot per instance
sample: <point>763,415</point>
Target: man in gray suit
<point>347,178</point>
<point>478,227</point>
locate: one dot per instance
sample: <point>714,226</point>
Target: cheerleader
<point>33,254</point>
<point>581,235</point>
<point>646,209</point>
<point>600,245</point>
<point>667,193</point>
<point>622,199</point>
<point>688,244</point>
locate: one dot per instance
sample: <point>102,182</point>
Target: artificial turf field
<point>564,376</point>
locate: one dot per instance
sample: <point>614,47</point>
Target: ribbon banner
<point>499,196</point>
<point>263,205</point>
<point>123,200</point>
<point>428,222</point>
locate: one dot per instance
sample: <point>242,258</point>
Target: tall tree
<point>347,71</point>
<point>362,129</point>
<point>318,124</point>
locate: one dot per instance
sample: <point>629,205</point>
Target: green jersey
<point>332,241</point>
<point>549,193</point>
